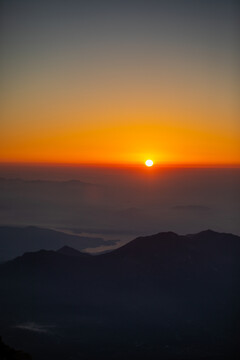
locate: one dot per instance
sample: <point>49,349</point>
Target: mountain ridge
<point>156,240</point>
<point>16,240</point>
<point>156,290</point>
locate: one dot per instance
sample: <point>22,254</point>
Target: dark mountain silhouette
<point>69,251</point>
<point>8,353</point>
<point>14,241</point>
<point>162,296</point>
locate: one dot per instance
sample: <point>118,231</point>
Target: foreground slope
<point>164,295</point>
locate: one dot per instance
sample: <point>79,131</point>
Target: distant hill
<point>177,297</point>
<point>15,241</point>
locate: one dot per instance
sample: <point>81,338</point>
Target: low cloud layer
<point>120,204</point>
<point>37,328</point>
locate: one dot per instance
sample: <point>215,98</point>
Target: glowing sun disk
<point>149,163</point>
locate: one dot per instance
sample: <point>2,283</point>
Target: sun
<point>149,163</point>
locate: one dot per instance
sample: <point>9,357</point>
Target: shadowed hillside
<point>162,296</point>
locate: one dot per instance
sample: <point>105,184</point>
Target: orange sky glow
<point>119,95</point>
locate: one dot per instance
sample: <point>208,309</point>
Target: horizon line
<point>127,165</point>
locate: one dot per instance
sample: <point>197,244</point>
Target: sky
<point>118,82</point>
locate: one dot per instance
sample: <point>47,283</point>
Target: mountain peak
<point>69,251</point>
<point>144,246</point>
<point>209,232</point>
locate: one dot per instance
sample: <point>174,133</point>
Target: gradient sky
<point>120,81</point>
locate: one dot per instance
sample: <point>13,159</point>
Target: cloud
<point>31,326</point>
